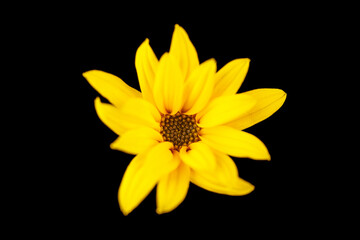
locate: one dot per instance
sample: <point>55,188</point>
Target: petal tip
<point>159,211</point>
<point>113,145</point>
<point>281,92</point>
<point>246,60</point>
<point>285,94</point>
<point>123,209</point>
<point>84,74</point>
<point>212,60</point>
<point>164,57</point>
<point>246,187</point>
<point>146,42</point>
<point>97,100</point>
<point>88,73</point>
<point>265,155</point>
<point>251,188</point>
<point>282,95</point>
<point>124,212</point>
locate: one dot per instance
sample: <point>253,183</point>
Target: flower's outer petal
<point>111,87</point>
<point>146,64</point>
<point>134,113</point>
<point>224,109</point>
<point>138,112</point>
<point>169,85</point>
<point>223,179</point>
<point>183,51</point>
<point>230,77</point>
<point>137,140</point>
<point>143,173</point>
<point>199,87</point>
<point>198,156</point>
<point>110,116</point>
<point>235,143</point>
<point>268,101</point>
<point>172,188</point>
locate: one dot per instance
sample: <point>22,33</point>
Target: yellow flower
<point>183,124</point>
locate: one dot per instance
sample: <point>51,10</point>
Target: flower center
<point>180,129</point>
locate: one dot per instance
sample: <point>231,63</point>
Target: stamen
<point>180,129</point>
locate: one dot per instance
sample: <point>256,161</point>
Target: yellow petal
<point>110,116</point>
<point>235,143</point>
<point>183,51</point>
<point>128,195</point>
<point>229,78</point>
<point>138,112</point>
<point>172,188</point>
<point>268,101</point>
<point>223,179</point>
<point>225,109</point>
<point>199,87</point>
<point>198,156</point>
<point>137,140</point>
<point>146,64</point>
<point>143,173</point>
<point>169,85</point>
<point>111,87</point>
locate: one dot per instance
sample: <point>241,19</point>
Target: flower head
<point>184,124</point>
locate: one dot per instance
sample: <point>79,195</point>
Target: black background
<point>278,45</point>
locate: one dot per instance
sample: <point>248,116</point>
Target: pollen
<point>180,129</point>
